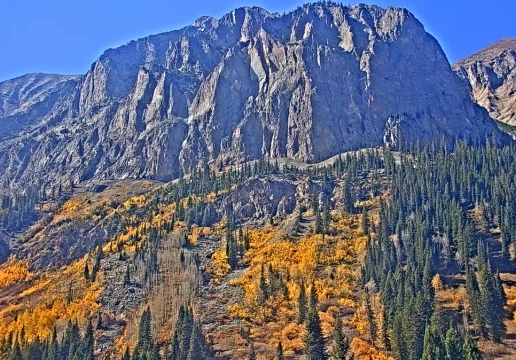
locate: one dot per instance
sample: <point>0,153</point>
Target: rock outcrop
<point>491,75</point>
<point>312,83</point>
<point>256,201</point>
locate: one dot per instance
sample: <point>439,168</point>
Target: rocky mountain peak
<point>491,76</point>
<point>318,81</point>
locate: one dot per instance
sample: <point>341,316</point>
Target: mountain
<point>309,84</point>
<point>320,253</point>
<point>491,75</point>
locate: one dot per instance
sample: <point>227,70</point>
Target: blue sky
<point>66,36</point>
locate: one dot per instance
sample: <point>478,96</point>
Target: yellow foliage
<point>163,216</point>
<point>137,200</point>
<point>72,205</point>
<point>198,233</point>
<point>298,258</point>
<point>14,271</point>
<point>345,302</point>
<point>294,260</point>
<point>359,320</point>
<point>362,350</point>
<point>211,197</point>
<point>84,208</point>
<point>292,337</point>
<point>452,298</point>
<point>512,252</point>
<point>327,321</point>
<point>437,283</point>
<point>510,293</point>
<point>238,310</point>
<point>53,306</point>
<point>219,264</point>
<point>329,262</point>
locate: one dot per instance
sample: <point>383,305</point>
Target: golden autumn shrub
<point>57,297</point>
<point>362,350</point>
<point>437,283</point>
<point>292,337</point>
<point>510,293</point>
<point>219,265</point>
<point>14,271</point>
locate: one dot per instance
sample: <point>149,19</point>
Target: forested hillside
<point>370,255</point>
<point>317,184</point>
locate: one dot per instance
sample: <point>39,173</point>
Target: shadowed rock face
<point>318,81</point>
<point>491,75</point>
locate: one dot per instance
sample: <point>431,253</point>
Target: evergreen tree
<point>182,334</point>
<point>231,247</point>
<point>318,222</point>
<point>279,351</point>
<point>153,353</point>
<point>16,353</point>
<point>301,304</point>
<point>174,355</point>
<point>98,326</point>
<point>53,348</point>
<point>454,343</point>
<point>470,349</point>
<point>371,322</point>
<point>99,255</point>
<point>312,300</point>
<point>326,219</point>
<point>495,304</point>
<point>251,355</point>
<point>340,345</point>
<point>313,340</point>
<point>145,344</point>
<point>478,312</point>
<point>88,342</point>
<point>247,246</point>
<point>433,348</point>
<point>86,271</point>
<point>66,340</point>
<point>34,350</point>
<point>365,220</point>
<point>206,217</point>
<point>347,197</point>
<point>197,348</point>
<point>431,191</point>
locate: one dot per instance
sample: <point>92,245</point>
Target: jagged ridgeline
<point>247,86</point>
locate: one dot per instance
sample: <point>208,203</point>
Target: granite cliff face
<point>491,74</point>
<point>318,81</point>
